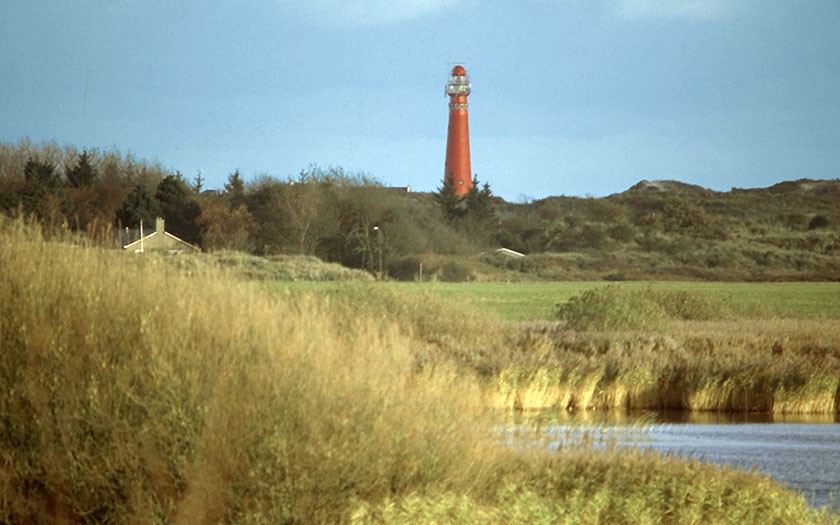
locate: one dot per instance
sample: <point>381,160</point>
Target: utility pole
<point>379,246</point>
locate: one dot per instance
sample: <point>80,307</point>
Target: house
<point>509,253</point>
<point>160,241</point>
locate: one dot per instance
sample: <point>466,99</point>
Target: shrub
<point>611,308</point>
<point>407,268</point>
<point>617,308</point>
<point>684,305</point>
<point>818,221</point>
<point>622,232</point>
<point>444,268</point>
<point>457,271</point>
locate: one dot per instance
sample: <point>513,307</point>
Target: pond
<point>803,453</point>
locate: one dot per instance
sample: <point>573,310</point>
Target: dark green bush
<point>407,268</point>
<point>818,221</point>
<point>618,308</point>
<point>612,308</point>
<point>456,271</point>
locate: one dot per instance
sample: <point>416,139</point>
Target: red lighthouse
<point>458,139</point>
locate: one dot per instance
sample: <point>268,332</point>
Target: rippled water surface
<point>803,455</point>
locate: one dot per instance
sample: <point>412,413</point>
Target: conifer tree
<point>179,208</point>
<point>41,175</point>
<point>235,189</point>
<point>452,204</point>
<point>138,205</point>
<point>83,173</point>
<point>479,202</point>
<point>43,194</point>
<point>198,184</point>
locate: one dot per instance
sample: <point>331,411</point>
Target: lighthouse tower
<point>458,139</point>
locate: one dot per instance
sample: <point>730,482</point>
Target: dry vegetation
<point>139,394</point>
<point>134,393</point>
<point>780,367</point>
<point>643,348</point>
<point>242,266</point>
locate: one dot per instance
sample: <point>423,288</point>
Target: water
<point>803,455</point>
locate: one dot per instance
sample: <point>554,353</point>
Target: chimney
<point>159,225</point>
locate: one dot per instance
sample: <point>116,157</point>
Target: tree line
<point>652,230</point>
<point>341,217</point>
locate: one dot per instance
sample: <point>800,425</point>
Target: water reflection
<point>800,451</point>
<point>681,416</point>
<point>645,417</point>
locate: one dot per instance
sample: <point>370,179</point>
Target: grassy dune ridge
<point>137,393</point>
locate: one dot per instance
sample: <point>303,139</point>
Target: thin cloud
<point>673,9</point>
<point>362,13</point>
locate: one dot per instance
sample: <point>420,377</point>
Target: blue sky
<point>570,97</point>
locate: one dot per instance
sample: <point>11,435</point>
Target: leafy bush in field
<point>681,304</point>
<point>618,308</point>
<point>612,308</point>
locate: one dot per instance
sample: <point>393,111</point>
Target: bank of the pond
<point>720,358</point>
<point>544,390</point>
<point>769,366</point>
<point>800,452</point>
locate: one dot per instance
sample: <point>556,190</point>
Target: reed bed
<point>682,350</point>
<point>771,366</point>
<point>134,393</point>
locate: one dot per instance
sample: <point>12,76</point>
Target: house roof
<point>510,253</point>
<point>160,240</point>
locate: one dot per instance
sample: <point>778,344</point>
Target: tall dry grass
<point>133,393</point>
<point>780,366</point>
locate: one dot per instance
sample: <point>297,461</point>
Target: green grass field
<point>538,300</point>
